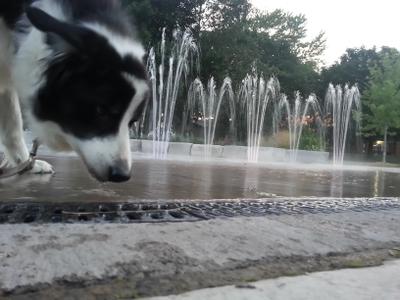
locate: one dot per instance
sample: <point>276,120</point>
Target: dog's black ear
<point>83,39</point>
<point>72,34</point>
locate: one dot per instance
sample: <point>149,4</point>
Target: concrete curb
<point>117,260</point>
<point>369,283</point>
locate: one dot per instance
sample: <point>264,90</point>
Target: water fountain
<point>297,118</point>
<point>208,105</point>
<point>165,85</point>
<point>339,104</point>
<point>255,95</point>
<point>257,102</point>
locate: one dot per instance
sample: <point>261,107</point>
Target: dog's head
<point>93,87</point>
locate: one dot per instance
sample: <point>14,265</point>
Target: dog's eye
<point>115,111</point>
<point>101,111</point>
<point>107,112</point>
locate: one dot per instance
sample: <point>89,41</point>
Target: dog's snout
<point>119,174</point>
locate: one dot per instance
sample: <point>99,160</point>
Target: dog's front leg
<point>11,133</point>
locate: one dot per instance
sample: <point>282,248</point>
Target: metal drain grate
<point>180,211</point>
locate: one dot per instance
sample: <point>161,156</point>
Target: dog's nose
<point>118,174</point>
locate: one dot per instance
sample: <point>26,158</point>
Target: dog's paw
<point>42,167</point>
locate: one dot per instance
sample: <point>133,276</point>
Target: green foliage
<point>310,140</point>
<point>225,14</point>
<point>151,16</point>
<point>234,35</point>
<point>284,26</point>
<point>382,96</point>
<point>280,140</point>
<point>353,68</point>
<point>240,36</point>
<point>141,11</point>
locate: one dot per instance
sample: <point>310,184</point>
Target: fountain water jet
<point>165,87</point>
<point>209,103</point>
<point>255,95</point>
<point>296,119</point>
<point>340,104</point>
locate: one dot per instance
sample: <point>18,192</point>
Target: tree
<point>291,28</point>
<point>382,97</point>
<point>239,36</point>
<point>141,12</point>
<point>353,68</point>
<point>224,14</point>
<point>233,36</point>
<point>151,16</point>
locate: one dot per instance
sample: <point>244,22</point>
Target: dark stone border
<point>179,211</point>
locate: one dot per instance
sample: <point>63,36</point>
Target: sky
<point>347,24</point>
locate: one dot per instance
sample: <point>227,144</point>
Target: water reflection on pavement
<point>194,180</point>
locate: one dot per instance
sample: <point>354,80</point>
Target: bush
<point>280,140</point>
<point>310,140</point>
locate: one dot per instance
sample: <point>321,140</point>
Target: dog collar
<point>23,167</point>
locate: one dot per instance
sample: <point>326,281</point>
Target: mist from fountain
<point>340,103</point>
<point>166,84</point>
<point>208,102</point>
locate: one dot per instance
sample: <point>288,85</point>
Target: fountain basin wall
<point>266,154</point>
<point>229,152</point>
<point>305,156</point>
<point>214,151</point>
<point>235,152</point>
<point>180,148</point>
<point>274,154</point>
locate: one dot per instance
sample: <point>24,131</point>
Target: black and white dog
<point>74,69</point>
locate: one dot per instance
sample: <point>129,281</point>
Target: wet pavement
<point>168,180</point>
